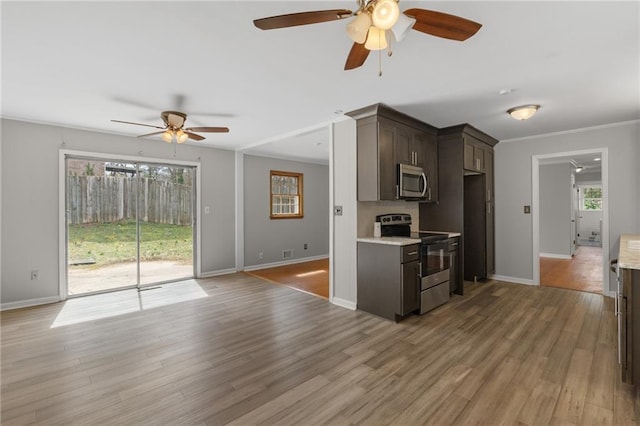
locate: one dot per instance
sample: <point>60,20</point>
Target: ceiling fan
<point>373,18</point>
<point>174,127</point>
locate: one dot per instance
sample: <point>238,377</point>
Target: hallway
<point>583,272</point>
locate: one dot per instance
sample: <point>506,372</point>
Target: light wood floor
<point>583,272</point>
<point>254,353</point>
<point>311,277</point>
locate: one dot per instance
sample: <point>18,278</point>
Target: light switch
<point>207,209</point>
<point>527,209</point>
<point>337,210</point>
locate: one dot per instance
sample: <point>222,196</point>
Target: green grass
<point>108,243</point>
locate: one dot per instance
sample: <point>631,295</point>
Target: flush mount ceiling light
<point>523,112</point>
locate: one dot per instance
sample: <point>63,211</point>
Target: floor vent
<point>287,254</point>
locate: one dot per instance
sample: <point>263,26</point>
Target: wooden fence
<point>105,199</point>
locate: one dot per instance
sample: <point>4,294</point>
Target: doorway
<point>128,224</point>
<point>561,258</point>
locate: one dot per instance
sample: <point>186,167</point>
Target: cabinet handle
<point>489,194</point>
<point>488,208</point>
<point>413,253</point>
<point>397,192</point>
<point>477,164</point>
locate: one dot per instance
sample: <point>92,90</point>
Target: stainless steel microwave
<point>412,182</point>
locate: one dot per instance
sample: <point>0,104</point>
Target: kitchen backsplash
<point>367,212</point>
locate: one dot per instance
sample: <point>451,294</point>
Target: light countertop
<point>393,241</point>
<point>450,234</point>
<point>629,254</point>
<point>402,241</point>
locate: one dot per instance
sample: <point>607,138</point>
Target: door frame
<point>535,207</point>
<point>62,205</point>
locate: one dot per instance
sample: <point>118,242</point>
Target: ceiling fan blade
<point>137,124</point>
<point>193,136</point>
<point>150,134</point>
<point>357,56</point>
<point>208,129</point>
<point>302,18</point>
<point>442,24</point>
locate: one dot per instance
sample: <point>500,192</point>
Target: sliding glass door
<point>128,224</point>
<point>166,200</point>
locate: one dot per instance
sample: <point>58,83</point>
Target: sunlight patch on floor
<point>308,274</point>
<point>90,308</point>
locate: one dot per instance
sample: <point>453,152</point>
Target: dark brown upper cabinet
<point>386,138</point>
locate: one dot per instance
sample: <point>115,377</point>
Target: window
<point>590,197</point>
<point>286,195</point>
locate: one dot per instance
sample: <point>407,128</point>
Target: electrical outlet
<point>261,256</point>
<point>306,246</point>
<point>35,274</point>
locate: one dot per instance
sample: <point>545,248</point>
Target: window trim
<point>297,175</point>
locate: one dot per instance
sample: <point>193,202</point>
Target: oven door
<point>435,257</point>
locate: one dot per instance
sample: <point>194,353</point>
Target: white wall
<point>30,154</point>
<point>555,210</point>
<point>344,248</point>
<point>513,189</point>
<point>271,236</point>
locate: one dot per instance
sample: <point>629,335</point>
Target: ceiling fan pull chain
<point>379,63</point>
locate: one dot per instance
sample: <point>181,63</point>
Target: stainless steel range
<point>435,258</point>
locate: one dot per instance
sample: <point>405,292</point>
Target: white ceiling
<point>80,64</point>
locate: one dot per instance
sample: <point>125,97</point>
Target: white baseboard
<point>556,256</point>
<point>28,303</point>
<point>284,262</point>
<point>512,279</point>
<point>218,272</point>
<point>344,303</point>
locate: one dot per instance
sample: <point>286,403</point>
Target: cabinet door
<point>474,154</point>
<point>419,148</point>
<point>387,169</point>
<point>404,148</point>
<point>469,158</point>
<point>410,287</point>
<point>478,156</point>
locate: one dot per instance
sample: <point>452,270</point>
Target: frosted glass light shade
<point>358,28</point>
<point>523,112</point>
<point>181,136</point>
<point>385,14</point>
<point>402,27</point>
<point>167,136</point>
<point>376,40</point>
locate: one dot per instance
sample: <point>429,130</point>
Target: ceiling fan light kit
<point>174,128</point>
<point>523,112</point>
<point>372,19</point>
<point>358,28</point>
<point>376,40</point>
<point>402,27</point>
<point>385,14</point>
